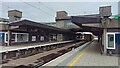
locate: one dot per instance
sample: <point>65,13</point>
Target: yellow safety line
<point>76,59</point>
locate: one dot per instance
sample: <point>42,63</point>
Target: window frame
<point>110,33</point>
<point>16,37</point>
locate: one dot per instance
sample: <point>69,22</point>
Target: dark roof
<point>36,24</point>
<point>69,17</point>
<point>91,15</point>
<point>63,18</point>
<point>85,20</point>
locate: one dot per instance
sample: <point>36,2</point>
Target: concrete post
<point>105,23</point>
<point>105,49</point>
<point>17,54</point>
<point>9,38</point>
<point>100,42</point>
<point>105,13</point>
<point>5,57</point>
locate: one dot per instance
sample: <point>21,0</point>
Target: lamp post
<point>105,13</point>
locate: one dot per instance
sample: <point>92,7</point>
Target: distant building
<point>64,21</point>
<point>4,20</point>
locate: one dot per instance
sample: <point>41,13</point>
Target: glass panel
<point>33,38</point>
<point>41,38</point>
<point>13,38</point>
<point>111,41</point>
<point>6,37</point>
<point>18,37</point>
<point>22,37</point>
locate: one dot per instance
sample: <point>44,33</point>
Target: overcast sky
<point>46,11</point>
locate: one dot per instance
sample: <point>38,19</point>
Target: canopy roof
<point>37,25</point>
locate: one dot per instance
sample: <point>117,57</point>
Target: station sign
<point>105,11</point>
<point>116,17</point>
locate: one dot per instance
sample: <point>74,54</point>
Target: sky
<point>46,11</point>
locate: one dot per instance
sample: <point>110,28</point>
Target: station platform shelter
<point>85,56</point>
<point>26,31</point>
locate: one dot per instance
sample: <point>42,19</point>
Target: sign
<point>116,17</point>
<point>105,11</point>
<point>14,27</point>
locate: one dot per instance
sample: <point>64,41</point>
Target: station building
<point>17,31</point>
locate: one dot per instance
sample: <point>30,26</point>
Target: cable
<point>38,8</point>
<point>7,6</point>
<point>24,16</point>
<point>35,8</point>
<point>46,6</point>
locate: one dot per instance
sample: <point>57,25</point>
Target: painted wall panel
<point>117,39</point>
<point>2,38</point>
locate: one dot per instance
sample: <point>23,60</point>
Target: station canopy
<point>27,24</point>
<point>85,20</point>
<point>78,20</point>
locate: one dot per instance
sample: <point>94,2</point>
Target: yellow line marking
<point>76,59</point>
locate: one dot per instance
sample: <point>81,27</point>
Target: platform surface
<point>29,45</point>
<point>86,55</point>
<point>32,59</point>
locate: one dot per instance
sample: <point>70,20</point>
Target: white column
<point>105,24</point>
<point>16,37</point>
<point>9,38</point>
<point>104,33</point>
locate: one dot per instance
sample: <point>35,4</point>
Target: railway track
<point>42,60</point>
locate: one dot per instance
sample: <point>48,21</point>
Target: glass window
<point>12,37</point>
<point>33,38</point>
<point>41,38</point>
<point>6,37</point>
<point>22,37</point>
<point>68,24</point>
<point>18,37</point>
<point>111,41</point>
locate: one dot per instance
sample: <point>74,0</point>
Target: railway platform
<point>86,55</point>
<point>34,58</point>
